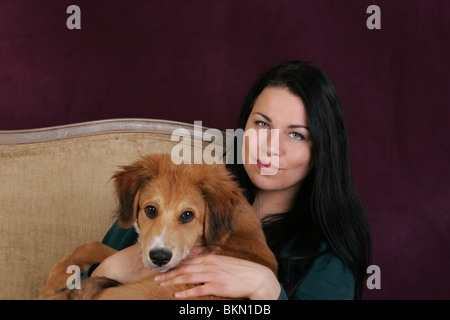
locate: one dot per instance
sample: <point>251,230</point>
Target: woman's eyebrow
<point>264,116</point>
<point>292,126</point>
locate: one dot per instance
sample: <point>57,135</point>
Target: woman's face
<point>283,159</point>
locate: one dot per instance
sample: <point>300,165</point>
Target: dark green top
<point>328,278</point>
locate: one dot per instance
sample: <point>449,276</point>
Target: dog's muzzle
<point>160,256</point>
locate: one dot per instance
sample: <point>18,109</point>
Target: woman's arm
<point>223,276</point>
<point>124,266</point>
<point>220,275</point>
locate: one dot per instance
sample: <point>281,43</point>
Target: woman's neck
<point>269,202</point>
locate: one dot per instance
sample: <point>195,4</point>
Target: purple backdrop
<point>195,60</point>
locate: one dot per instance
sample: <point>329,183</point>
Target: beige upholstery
<point>56,193</point>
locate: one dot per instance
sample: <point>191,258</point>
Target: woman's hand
<point>223,276</point>
<point>124,266</point>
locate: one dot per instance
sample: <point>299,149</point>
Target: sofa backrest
<point>56,192</point>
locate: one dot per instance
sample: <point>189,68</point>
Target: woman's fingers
<point>198,291</point>
<point>187,273</point>
<point>226,276</point>
<point>186,278</point>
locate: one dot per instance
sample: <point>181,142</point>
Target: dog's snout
<point>160,256</point>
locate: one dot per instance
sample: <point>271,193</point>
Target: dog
<point>173,207</point>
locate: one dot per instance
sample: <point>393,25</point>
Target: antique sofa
<point>56,192</point>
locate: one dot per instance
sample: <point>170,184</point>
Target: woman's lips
<point>267,169</point>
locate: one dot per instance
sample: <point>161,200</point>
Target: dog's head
<point>175,207</point>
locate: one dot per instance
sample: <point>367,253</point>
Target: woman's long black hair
<point>327,208</point>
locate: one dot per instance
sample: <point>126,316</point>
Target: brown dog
<point>174,208</point>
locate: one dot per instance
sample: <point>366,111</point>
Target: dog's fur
<point>174,208</point>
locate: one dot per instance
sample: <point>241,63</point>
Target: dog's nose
<point>160,256</point>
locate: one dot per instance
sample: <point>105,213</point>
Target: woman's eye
<point>262,124</point>
<point>297,136</point>
<point>186,217</point>
<point>151,212</point>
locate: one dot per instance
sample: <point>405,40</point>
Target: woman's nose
<point>270,147</point>
<point>273,143</point>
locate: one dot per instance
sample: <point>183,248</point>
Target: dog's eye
<point>151,212</point>
<point>186,217</point>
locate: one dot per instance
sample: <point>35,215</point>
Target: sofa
<point>56,190</point>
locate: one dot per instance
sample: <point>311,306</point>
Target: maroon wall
<point>195,60</point>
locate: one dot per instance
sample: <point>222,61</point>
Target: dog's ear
<point>128,182</point>
<point>222,196</point>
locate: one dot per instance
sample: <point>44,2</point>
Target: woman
<point>312,217</point>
